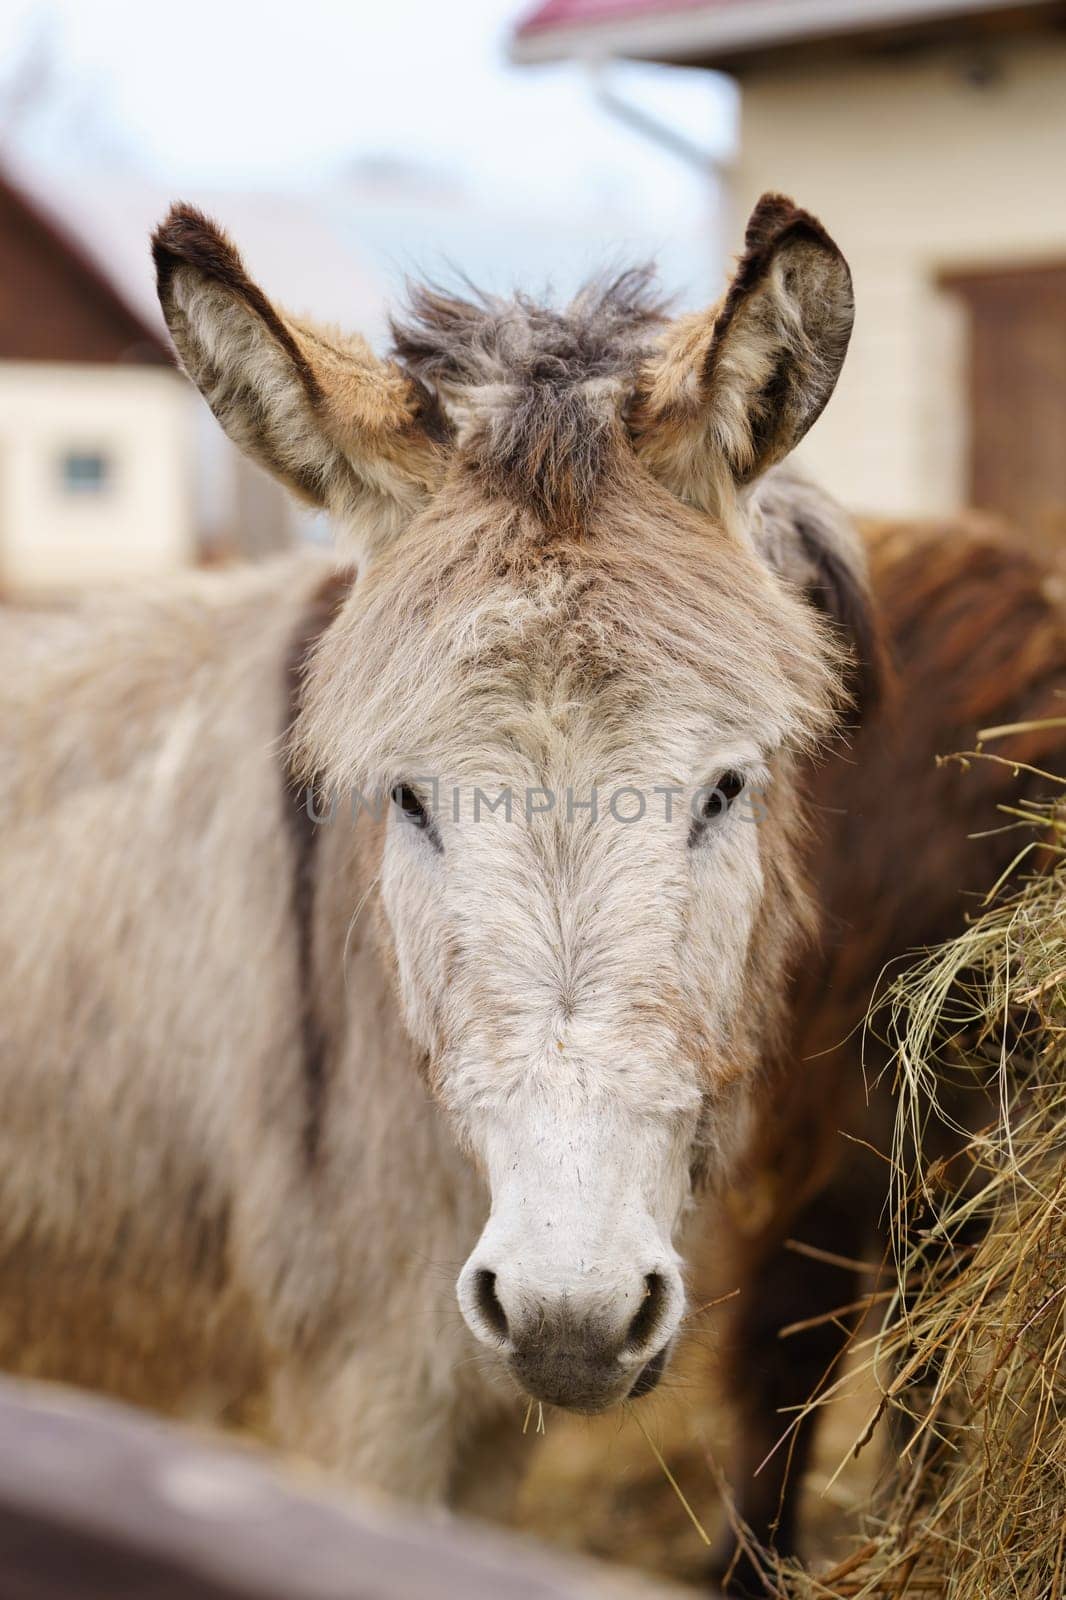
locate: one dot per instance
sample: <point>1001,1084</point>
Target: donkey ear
<point>315,407</point>
<point>732,391</point>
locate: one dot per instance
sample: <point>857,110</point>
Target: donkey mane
<point>533,390</point>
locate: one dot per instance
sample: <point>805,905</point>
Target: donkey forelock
<point>534,391</point>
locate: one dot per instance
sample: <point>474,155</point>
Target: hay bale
<point>971,1363</point>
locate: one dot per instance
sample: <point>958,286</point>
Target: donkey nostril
<point>648,1313</point>
<point>488,1303</point>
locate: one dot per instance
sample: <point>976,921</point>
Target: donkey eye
<point>410,805</point>
<point>716,802</point>
<point>721,797</point>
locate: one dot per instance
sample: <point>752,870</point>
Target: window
<point>85,472</point>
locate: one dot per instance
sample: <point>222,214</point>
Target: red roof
<point>579,13</point>
<point>731,32</point>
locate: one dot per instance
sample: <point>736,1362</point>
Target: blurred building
<point>930,136</point>
<point>94,423</point>
<point>111,467</point>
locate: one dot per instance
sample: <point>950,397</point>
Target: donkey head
<point>588,648</point>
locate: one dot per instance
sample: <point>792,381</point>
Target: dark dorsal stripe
<point>322,607</point>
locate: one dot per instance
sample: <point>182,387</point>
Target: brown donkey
<point>903,847</point>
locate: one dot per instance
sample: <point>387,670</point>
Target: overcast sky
<point>288,93</point>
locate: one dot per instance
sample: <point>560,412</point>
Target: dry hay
<point>971,1361</point>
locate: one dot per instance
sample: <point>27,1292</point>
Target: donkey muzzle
<point>584,1347</point>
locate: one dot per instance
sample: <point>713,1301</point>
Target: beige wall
<point>141,522</point>
<point>913,168</point>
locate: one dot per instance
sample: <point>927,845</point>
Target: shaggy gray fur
<point>535,389</point>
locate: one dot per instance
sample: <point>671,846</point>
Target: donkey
<point>273,1089</point>
<point>902,846</point>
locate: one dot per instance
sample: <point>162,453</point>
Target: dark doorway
<point>1017,395</point>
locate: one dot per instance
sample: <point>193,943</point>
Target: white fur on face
<point>575,981</point>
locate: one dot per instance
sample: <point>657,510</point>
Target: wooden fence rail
<point>99,1502</point>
